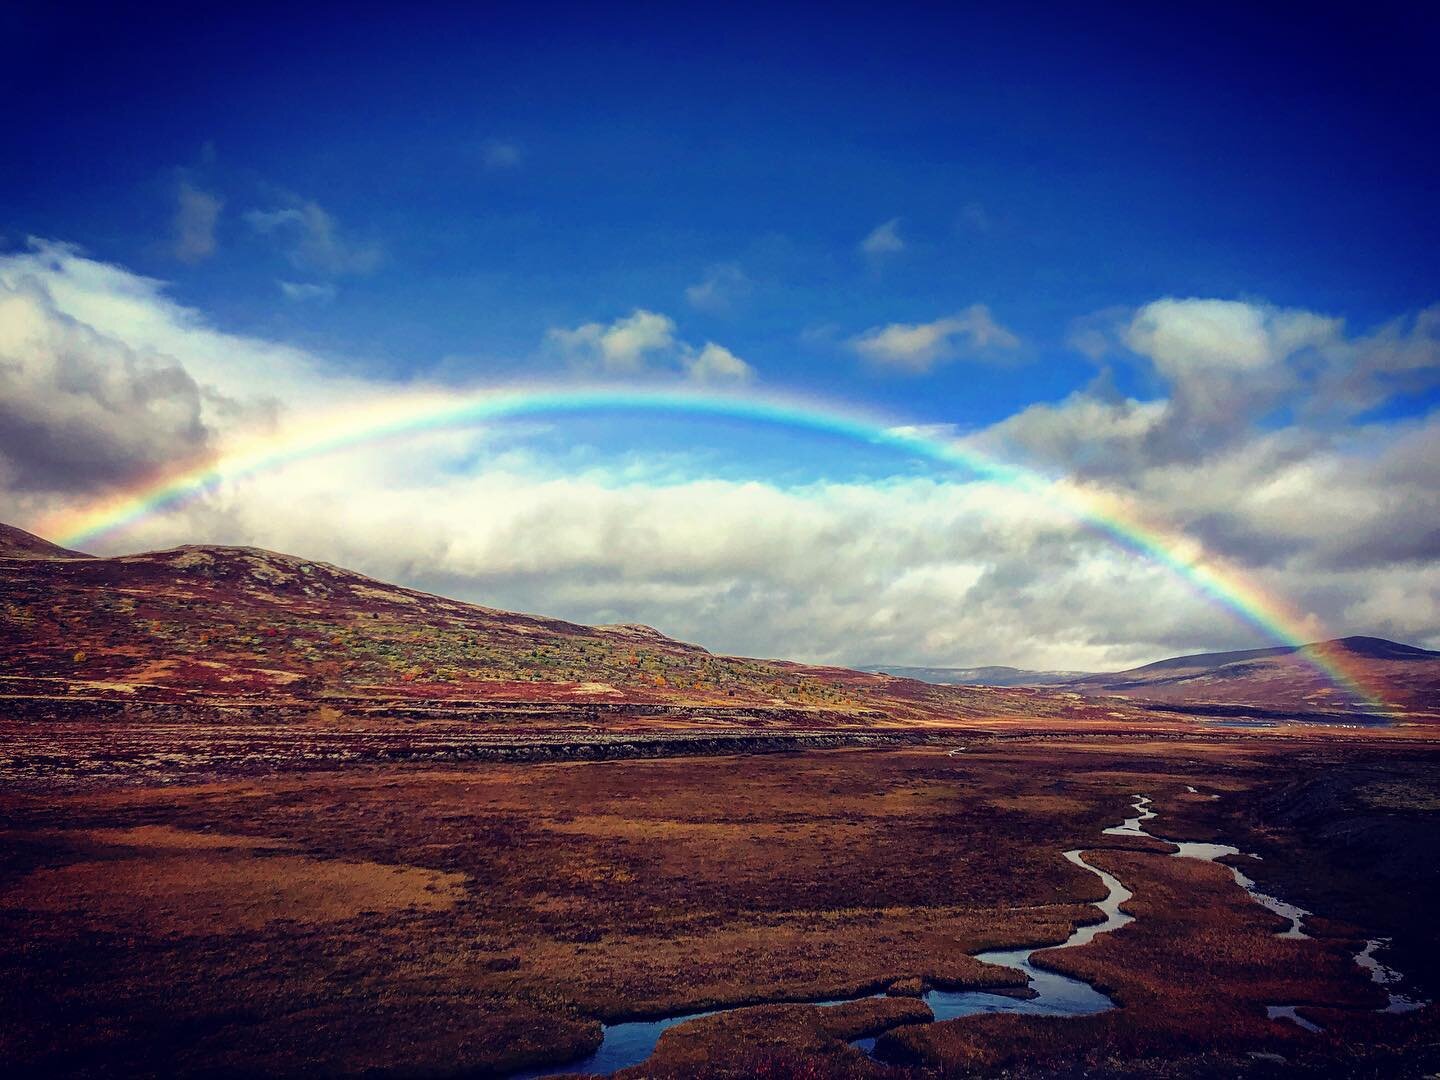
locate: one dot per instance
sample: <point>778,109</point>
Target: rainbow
<point>399,417</point>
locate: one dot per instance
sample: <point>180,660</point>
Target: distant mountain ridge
<point>1285,676</point>
<point>991,675</point>
<point>1371,647</point>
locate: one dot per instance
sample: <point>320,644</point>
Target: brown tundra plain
<point>362,873</point>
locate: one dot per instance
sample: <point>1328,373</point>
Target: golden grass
<point>476,919</point>
<point>186,885</point>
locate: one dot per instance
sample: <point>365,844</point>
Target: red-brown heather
<point>265,816</point>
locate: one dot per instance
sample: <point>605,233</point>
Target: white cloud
<point>717,364</point>
<point>312,238</point>
<point>918,347</point>
<point>884,239</point>
<point>1183,336</point>
<point>644,343</point>
<point>722,287</point>
<point>619,348</point>
<point>193,226</point>
<point>828,572</point>
<point>1225,370</point>
<point>301,291</point>
<point>80,410</point>
<point>1401,357</point>
<point>137,311</point>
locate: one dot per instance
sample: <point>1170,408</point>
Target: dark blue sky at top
<point>1047,161</point>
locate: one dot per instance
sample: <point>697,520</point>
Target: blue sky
<point>956,216</point>
<point>1050,165</point>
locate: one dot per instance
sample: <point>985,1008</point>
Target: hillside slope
<point>19,544</point>
<point>1283,677</point>
<point>224,625</point>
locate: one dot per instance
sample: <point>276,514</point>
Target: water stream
<point>1190,849</point>
<point>1049,993</point>
<point>1053,994</point>
<point>1387,977</point>
<point>1380,974</point>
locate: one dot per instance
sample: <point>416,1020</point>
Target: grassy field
<point>415,919</point>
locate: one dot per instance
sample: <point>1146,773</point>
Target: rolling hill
<point>1285,677</point>
<point>1277,678</point>
<point>243,627</point>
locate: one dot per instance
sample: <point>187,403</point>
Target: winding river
<point>1381,974</point>
<point>1189,849</point>
<point>1049,993</point>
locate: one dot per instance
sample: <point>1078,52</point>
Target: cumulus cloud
<point>1183,337</point>
<point>884,239</point>
<point>644,342</point>
<point>1225,369</point>
<point>722,287</point>
<point>312,239</point>
<point>833,572</point>
<point>919,347</point>
<point>242,375</point>
<point>717,364</point>
<point>1402,357</point>
<point>1244,449</point>
<point>80,410</point>
<point>197,213</point>
<point>619,348</point>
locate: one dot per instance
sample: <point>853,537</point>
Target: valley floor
<point>479,918</point>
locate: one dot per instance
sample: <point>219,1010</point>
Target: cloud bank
<point>1261,441</point>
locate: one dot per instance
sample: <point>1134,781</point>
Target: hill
<point>1285,677</point>
<point>1281,678</point>
<point>19,544</point>
<point>233,627</point>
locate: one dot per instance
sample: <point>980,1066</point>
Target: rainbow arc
<point>352,427</point>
